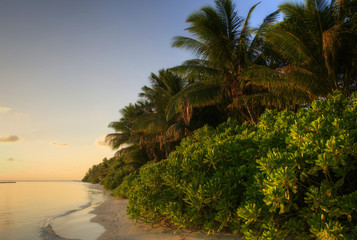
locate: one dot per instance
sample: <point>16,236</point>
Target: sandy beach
<point>112,215</point>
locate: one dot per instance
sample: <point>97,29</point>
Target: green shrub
<point>121,166</point>
<point>116,173</point>
<point>201,183</point>
<point>310,184</point>
<point>124,189</point>
<point>291,176</point>
<point>99,171</point>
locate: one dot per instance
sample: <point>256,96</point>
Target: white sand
<point>112,215</point>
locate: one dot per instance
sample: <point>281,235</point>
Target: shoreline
<point>112,215</point>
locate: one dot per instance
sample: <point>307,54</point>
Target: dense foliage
<point>111,173</point>
<point>293,175</point>
<point>283,174</point>
<point>97,172</point>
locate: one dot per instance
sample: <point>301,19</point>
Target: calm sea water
<point>49,210</point>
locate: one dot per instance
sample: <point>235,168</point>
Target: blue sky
<point>68,66</point>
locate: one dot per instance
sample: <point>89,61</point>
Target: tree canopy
<point>210,143</point>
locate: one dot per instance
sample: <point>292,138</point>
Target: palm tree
<point>153,124</point>
<point>223,44</point>
<point>124,136</point>
<point>143,125</point>
<point>318,45</point>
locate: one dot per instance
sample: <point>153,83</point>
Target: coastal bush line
<point>290,176</point>
<point>116,171</point>
<point>241,138</point>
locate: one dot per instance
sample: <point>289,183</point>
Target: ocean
<point>50,210</point>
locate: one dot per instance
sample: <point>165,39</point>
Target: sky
<point>68,66</point>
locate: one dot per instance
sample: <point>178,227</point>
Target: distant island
<point>7,182</point>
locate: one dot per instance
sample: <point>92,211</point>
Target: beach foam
<point>46,229</point>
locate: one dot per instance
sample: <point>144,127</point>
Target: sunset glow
<point>67,67</point>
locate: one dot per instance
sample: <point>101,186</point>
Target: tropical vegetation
<point>256,135</point>
<point>290,176</point>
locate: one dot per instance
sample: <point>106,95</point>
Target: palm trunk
<point>252,118</point>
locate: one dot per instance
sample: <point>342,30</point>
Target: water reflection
<point>25,205</point>
<point>6,220</point>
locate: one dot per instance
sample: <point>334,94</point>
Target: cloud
<point>11,138</point>
<point>100,142</point>
<point>4,109</point>
<point>56,144</point>
<point>10,159</point>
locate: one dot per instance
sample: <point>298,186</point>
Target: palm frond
<point>264,27</point>
<point>115,140</point>
<point>125,148</point>
<point>258,44</point>
<point>230,18</point>
<point>288,45</point>
<point>285,100</point>
<point>195,46</point>
<point>197,70</point>
<point>176,131</point>
<point>196,94</point>
<point>118,126</point>
<point>245,32</point>
<point>151,123</point>
<point>133,157</point>
<point>293,10</point>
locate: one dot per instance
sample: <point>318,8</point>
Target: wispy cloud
<point>11,138</point>
<point>57,144</point>
<point>10,159</point>
<point>100,142</point>
<point>4,109</point>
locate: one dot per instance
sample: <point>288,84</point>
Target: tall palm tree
<point>224,46</point>
<point>153,124</point>
<point>318,45</point>
<point>143,125</point>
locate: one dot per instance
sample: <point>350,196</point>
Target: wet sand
<point>112,215</point>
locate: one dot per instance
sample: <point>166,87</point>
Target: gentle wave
<point>46,230</point>
<point>74,210</point>
<point>47,233</point>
